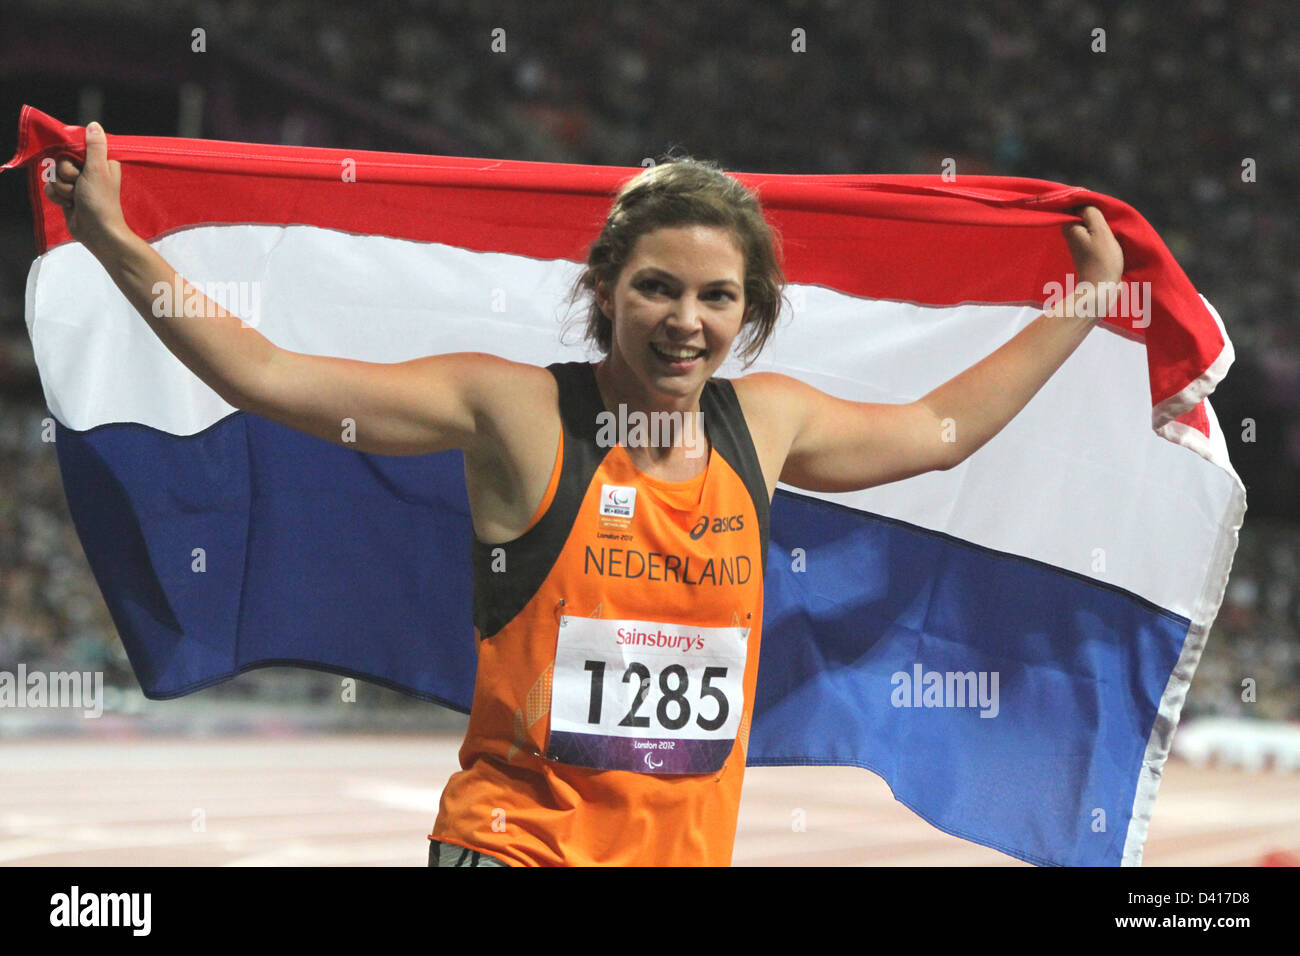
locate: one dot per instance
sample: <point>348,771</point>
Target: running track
<point>359,800</point>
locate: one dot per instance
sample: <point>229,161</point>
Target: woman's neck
<point>671,427</point>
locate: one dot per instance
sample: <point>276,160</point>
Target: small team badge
<point>617,504</point>
<point>617,501</point>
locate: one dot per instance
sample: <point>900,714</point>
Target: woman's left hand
<point>1094,248</point>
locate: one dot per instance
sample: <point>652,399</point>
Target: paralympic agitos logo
<point>718,526</point>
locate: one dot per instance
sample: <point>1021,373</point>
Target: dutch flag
<point>1063,579</point>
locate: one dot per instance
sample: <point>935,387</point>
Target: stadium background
<point>1163,119</point>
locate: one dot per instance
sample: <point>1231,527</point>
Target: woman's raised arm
<point>408,408</point>
<point>837,445</point>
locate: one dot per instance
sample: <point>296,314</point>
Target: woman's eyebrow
<point>644,270</point>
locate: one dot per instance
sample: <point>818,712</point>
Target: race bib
<point>646,696</point>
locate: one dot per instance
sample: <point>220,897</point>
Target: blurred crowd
<point>1187,111</point>
<point>1251,664</point>
<point>1164,118</point>
<point>52,616</point>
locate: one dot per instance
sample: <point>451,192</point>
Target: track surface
<point>352,800</point>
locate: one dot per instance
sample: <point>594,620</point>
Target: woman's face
<point>683,287</point>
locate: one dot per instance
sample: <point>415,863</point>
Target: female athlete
<point>618,583</point>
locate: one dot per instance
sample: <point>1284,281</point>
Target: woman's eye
<point>657,286</point>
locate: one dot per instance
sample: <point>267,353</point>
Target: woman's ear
<point>603,299</point>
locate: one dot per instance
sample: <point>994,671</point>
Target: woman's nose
<point>687,314</point>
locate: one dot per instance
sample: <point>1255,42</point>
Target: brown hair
<point>683,191</point>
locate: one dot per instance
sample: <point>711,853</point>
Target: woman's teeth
<point>677,355</point>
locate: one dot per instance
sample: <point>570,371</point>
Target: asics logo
<point>717,525</point>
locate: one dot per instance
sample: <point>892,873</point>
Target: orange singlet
<point>618,642</point>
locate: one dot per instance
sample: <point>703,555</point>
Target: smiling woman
<point>679,308</point>
<point>687,192</point>
<point>584,747</point>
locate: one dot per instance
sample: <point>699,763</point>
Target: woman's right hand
<point>90,194</point>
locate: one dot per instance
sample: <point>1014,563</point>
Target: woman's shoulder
<point>508,380</point>
<point>507,473</point>
<point>513,404</point>
<point>765,396</point>
<point>519,393</point>
<point>770,403</point>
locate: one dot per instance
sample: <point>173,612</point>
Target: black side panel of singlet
<point>499,596</point>
<point>725,423</point>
